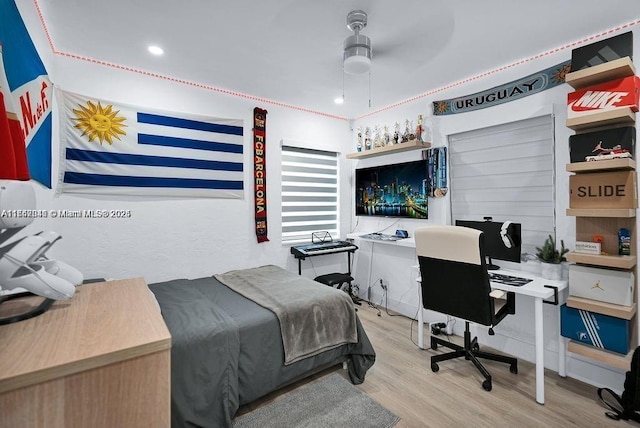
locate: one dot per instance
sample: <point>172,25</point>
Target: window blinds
<point>309,193</point>
<point>506,172</point>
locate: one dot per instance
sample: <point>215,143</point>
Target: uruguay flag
<point>114,148</point>
<point>29,90</point>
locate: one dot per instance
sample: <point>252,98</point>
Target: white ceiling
<point>290,51</point>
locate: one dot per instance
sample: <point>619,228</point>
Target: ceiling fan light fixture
<point>357,54</point>
<point>357,47</point>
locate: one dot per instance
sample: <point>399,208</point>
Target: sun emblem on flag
<point>561,73</point>
<point>441,107</point>
<point>97,122</point>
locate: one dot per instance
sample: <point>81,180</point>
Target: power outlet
<point>449,328</point>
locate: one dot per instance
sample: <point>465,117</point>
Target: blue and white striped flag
<point>113,148</point>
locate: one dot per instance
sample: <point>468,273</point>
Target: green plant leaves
<point>550,254</point>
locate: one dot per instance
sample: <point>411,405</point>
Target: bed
<point>227,350</point>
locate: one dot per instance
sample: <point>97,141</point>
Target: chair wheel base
<point>470,351</point>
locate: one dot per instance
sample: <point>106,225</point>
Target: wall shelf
<point>612,70</point>
<point>604,308</point>
<point>602,212</point>
<point>600,220</point>
<point>612,261</point>
<point>395,148</point>
<point>607,357</point>
<point>602,165</point>
<point>619,116</point>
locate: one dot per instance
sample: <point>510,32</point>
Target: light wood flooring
<point>402,381</point>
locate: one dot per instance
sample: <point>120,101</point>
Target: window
<point>309,193</point>
<point>506,172</point>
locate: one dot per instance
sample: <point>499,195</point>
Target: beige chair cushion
<point>448,243</point>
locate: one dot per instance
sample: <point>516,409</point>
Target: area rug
<point>331,402</point>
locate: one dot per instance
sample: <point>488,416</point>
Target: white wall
<point>395,265</point>
<point>171,238</point>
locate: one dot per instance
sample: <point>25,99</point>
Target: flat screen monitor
<point>397,190</point>
<point>502,240</point>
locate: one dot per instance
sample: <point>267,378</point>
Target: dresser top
<point>103,323</point>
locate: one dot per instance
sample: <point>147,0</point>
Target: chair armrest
<point>498,294</point>
<point>504,303</point>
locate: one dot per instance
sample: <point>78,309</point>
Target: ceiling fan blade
<point>405,54</point>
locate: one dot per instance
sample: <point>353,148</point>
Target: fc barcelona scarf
<point>260,171</point>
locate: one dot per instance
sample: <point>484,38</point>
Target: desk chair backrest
<point>454,272</point>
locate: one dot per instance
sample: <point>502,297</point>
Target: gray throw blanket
<point>313,317</point>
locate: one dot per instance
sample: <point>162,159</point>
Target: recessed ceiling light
<point>156,50</point>
<point>339,100</point>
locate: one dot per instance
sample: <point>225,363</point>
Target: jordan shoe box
<point>614,140</point>
<point>597,330</point>
<point>604,285</point>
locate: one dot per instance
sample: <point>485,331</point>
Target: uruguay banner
<point>28,92</point>
<point>114,148</point>
<point>532,84</point>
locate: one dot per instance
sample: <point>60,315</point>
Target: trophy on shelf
<point>396,133</point>
<point>367,138</point>
<point>419,129</point>
<point>412,134</point>
<point>359,141</point>
<point>377,140</point>
<point>405,134</point>
<point>387,137</point>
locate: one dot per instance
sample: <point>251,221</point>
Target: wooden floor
<point>402,381</point>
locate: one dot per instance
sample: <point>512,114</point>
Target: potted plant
<point>551,258</point>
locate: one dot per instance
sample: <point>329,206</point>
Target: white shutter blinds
<point>506,172</point>
<point>309,193</point>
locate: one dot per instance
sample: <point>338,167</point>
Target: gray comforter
<point>293,298</point>
<point>228,351</point>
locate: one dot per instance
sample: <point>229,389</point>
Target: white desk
<point>540,293</point>
<point>539,289</point>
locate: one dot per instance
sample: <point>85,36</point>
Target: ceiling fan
<point>357,47</point>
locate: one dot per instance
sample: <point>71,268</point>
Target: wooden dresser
<point>100,359</point>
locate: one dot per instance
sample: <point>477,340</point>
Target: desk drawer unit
<point>600,331</point>
<point>605,285</point>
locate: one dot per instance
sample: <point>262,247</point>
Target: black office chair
<point>455,282</point>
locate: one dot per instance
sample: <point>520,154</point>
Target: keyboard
<point>323,248</point>
<point>514,281</point>
<point>380,237</point>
